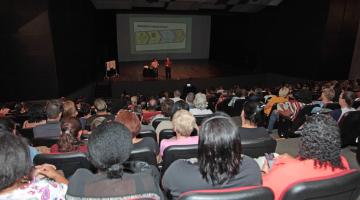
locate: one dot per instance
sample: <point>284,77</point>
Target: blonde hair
<point>134,99</point>
<point>200,101</point>
<point>328,93</point>
<point>284,92</point>
<point>184,122</point>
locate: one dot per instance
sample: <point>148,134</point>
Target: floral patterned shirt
<point>44,189</point>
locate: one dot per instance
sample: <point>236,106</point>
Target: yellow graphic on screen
<point>159,37</point>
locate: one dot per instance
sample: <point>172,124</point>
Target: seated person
<point>327,95</point>
<point>52,127</point>
<point>109,147</point>
<point>184,124</point>
<point>166,107</point>
<point>201,105</point>
<point>69,109</point>
<point>101,111</point>
<point>69,139</point>
<point>19,181</point>
<point>9,126</point>
<point>346,100</point>
<point>36,116</point>
<point>167,124</point>
<point>250,117</point>
<point>283,97</point>
<point>151,111</point>
<point>132,122</point>
<point>319,155</point>
<point>220,163</point>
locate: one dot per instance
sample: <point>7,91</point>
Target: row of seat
<point>345,186</point>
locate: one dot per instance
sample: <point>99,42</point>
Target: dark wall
<point>27,63</point>
<point>299,38</point>
<point>72,24</point>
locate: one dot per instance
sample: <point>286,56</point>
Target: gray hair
<point>200,101</point>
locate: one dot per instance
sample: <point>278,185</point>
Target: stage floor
<point>181,69</point>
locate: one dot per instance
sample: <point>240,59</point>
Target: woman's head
<point>219,149</point>
<point>68,140</point>
<point>69,109</point>
<point>36,113</point>
<point>320,141</point>
<point>328,94</point>
<point>284,92</point>
<point>184,122</point>
<point>130,120</point>
<point>179,105</point>
<point>200,101</point>
<point>15,160</point>
<point>252,112</point>
<point>109,147</point>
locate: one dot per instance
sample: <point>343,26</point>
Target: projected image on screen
<point>150,36</point>
<point>165,34</point>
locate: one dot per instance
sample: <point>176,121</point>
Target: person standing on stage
<point>155,65</point>
<point>168,64</point>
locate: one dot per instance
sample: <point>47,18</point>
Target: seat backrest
<point>332,106</point>
<point>144,154</point>
<point>157,121</point>
<point>258,147</point>
<point>166,134</point>
<point>44,142</point>
<point>349,128</point>
<point>344,186</point>
<point>175,152</point>
<point>147,133</point>
<point>243,193</point>
<point>27,133</point>
<point>67,162</point>
<point>200,118</point>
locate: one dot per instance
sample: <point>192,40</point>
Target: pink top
<point>287,170</point>
<point>173,141</point>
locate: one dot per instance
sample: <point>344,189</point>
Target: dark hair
<point>349,97</point>
<point>36,113</point>
<point>166,107</point>
<point>179,105</point>
<point>85,109</point>
<point>320,141</point>
<point>14,159</point>
<point>220,149</point>
<point>7,124</point>
<point>109,147</point>
<point>68,140</point>
<point>252,112</point>
<point>53,109</point>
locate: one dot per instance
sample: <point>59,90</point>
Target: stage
<point>180,70</point>
<point>200,73</point>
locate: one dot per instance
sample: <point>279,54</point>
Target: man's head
<point>346,99</point>
<point>53,110</point>
<point>177,93</point>
<point>100,105</point>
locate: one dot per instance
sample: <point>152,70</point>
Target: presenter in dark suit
<point>168,64</point>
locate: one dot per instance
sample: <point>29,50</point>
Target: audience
<point>190,99</point>
<point>69,139</point>
<point>36,116</point>
<point>184,124</point>
<point>132,122</point>
<point>177,96</point>
<point>52,127</point>
<point>219,164</point>
<point>274,116</point>
<point>19,181</point>
<point>69,109</point>
<point>327,95</point>
<point>319,155</point>
<point>109,147</point>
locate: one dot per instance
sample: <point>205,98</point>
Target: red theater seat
<point>343,186</point>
